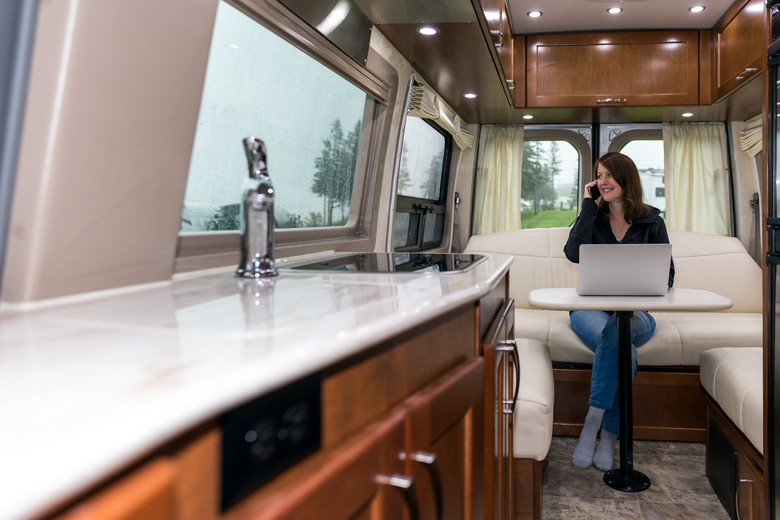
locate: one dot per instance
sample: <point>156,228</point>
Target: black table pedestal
<point>625,478</point>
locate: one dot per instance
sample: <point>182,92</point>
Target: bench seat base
<point>527,488</point>
<point>653,390</point>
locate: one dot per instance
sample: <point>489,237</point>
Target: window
<point>422,186</point>
<point>309,117</point>
<point>553,165</point>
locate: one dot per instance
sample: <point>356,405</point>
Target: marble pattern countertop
<point>88,386</point>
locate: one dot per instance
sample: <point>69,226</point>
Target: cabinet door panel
<point>604,69</point>
<point>446,420</point>
<point>499,353</point>
<point>739,45</point>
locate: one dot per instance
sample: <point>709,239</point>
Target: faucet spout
<point>257,216</point>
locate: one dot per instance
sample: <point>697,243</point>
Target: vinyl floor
<point>679,489</point>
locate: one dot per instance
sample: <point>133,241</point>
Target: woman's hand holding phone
<point>593,190</point>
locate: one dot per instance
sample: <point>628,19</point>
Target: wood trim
<point>146,494</point>
<point>653,390</point>
<point>737,439</point>
<point>527,488</point>
<point>706,64</point>
<point>391,371</point>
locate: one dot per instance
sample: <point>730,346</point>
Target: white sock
<point>582,457</point>
<point>603,457</point>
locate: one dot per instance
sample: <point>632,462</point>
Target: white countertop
<point>676,299</point>
<point>89,386</point>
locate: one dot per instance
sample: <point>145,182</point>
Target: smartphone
<point>594,192</point>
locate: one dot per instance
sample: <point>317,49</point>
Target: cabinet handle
<point>496,32</point>
<point>744,72</point>
<point>429,461</point>
<point>405,485</point>
<point>510,345</point>
<point>512,84</point>
<point>736,497</point>
<point>611,100</point>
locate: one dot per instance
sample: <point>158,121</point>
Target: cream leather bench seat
<point>733,377</point>
<point>534,409</point>
<point>532,426</point>
<point>702,261</point>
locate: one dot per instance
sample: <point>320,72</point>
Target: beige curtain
<point>696,177</point>
<point>423,102</point>
<point>500,164</point>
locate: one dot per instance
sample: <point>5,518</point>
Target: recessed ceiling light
<point>469,95</point>
<point>687,114</point>
<point>615,10</point>
<point>528,116</point>
<point>534,14</point>
<point>696,9</point>
<point>427,30</point>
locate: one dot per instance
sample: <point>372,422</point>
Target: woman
<point>616,215</point>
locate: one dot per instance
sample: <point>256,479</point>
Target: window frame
<point>379,81</point>
<point>425,207</point>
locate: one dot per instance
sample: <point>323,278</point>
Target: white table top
<point>677,299</point>
<point>89,385</point>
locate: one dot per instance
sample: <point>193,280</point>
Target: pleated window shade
<point>425,103</point>
<point>750,138</point>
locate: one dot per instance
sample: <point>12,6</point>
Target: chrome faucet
<point>257,216</point>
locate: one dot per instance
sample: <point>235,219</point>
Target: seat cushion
<point>533,419</point>
<point>733,377</point>
<point>679,339</point>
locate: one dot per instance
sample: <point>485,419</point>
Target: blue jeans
<point>599,331</point>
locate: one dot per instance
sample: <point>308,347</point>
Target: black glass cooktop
<point>393,262</point>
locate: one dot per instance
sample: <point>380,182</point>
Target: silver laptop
<point>624,269</point>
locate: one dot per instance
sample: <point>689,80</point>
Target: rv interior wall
<point>748,214</point>
<point>108,132</point>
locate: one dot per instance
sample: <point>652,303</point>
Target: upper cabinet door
<point>738,45</point>
<point>642,68</point>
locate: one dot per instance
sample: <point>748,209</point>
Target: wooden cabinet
<point>446,443</point>
<point>501,379</point>
<point>750,501</point>
<point>738,46</point>
<point>500,26</point>
<point>734,467</point>
<point>613,69</point>
<point>423,458</point>
<point>403,436</point>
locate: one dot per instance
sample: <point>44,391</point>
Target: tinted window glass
<point>309,117</point>
<point>550,184</point>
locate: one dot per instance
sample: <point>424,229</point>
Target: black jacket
<point>589,228</point>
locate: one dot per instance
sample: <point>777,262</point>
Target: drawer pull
<point>405,485</point>
<point>429,461</point>
<point>611,100</point>
<point>745,72</point>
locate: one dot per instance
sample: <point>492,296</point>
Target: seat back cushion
<point>702,261</point>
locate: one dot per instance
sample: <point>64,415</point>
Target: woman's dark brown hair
<point>625,173</point>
